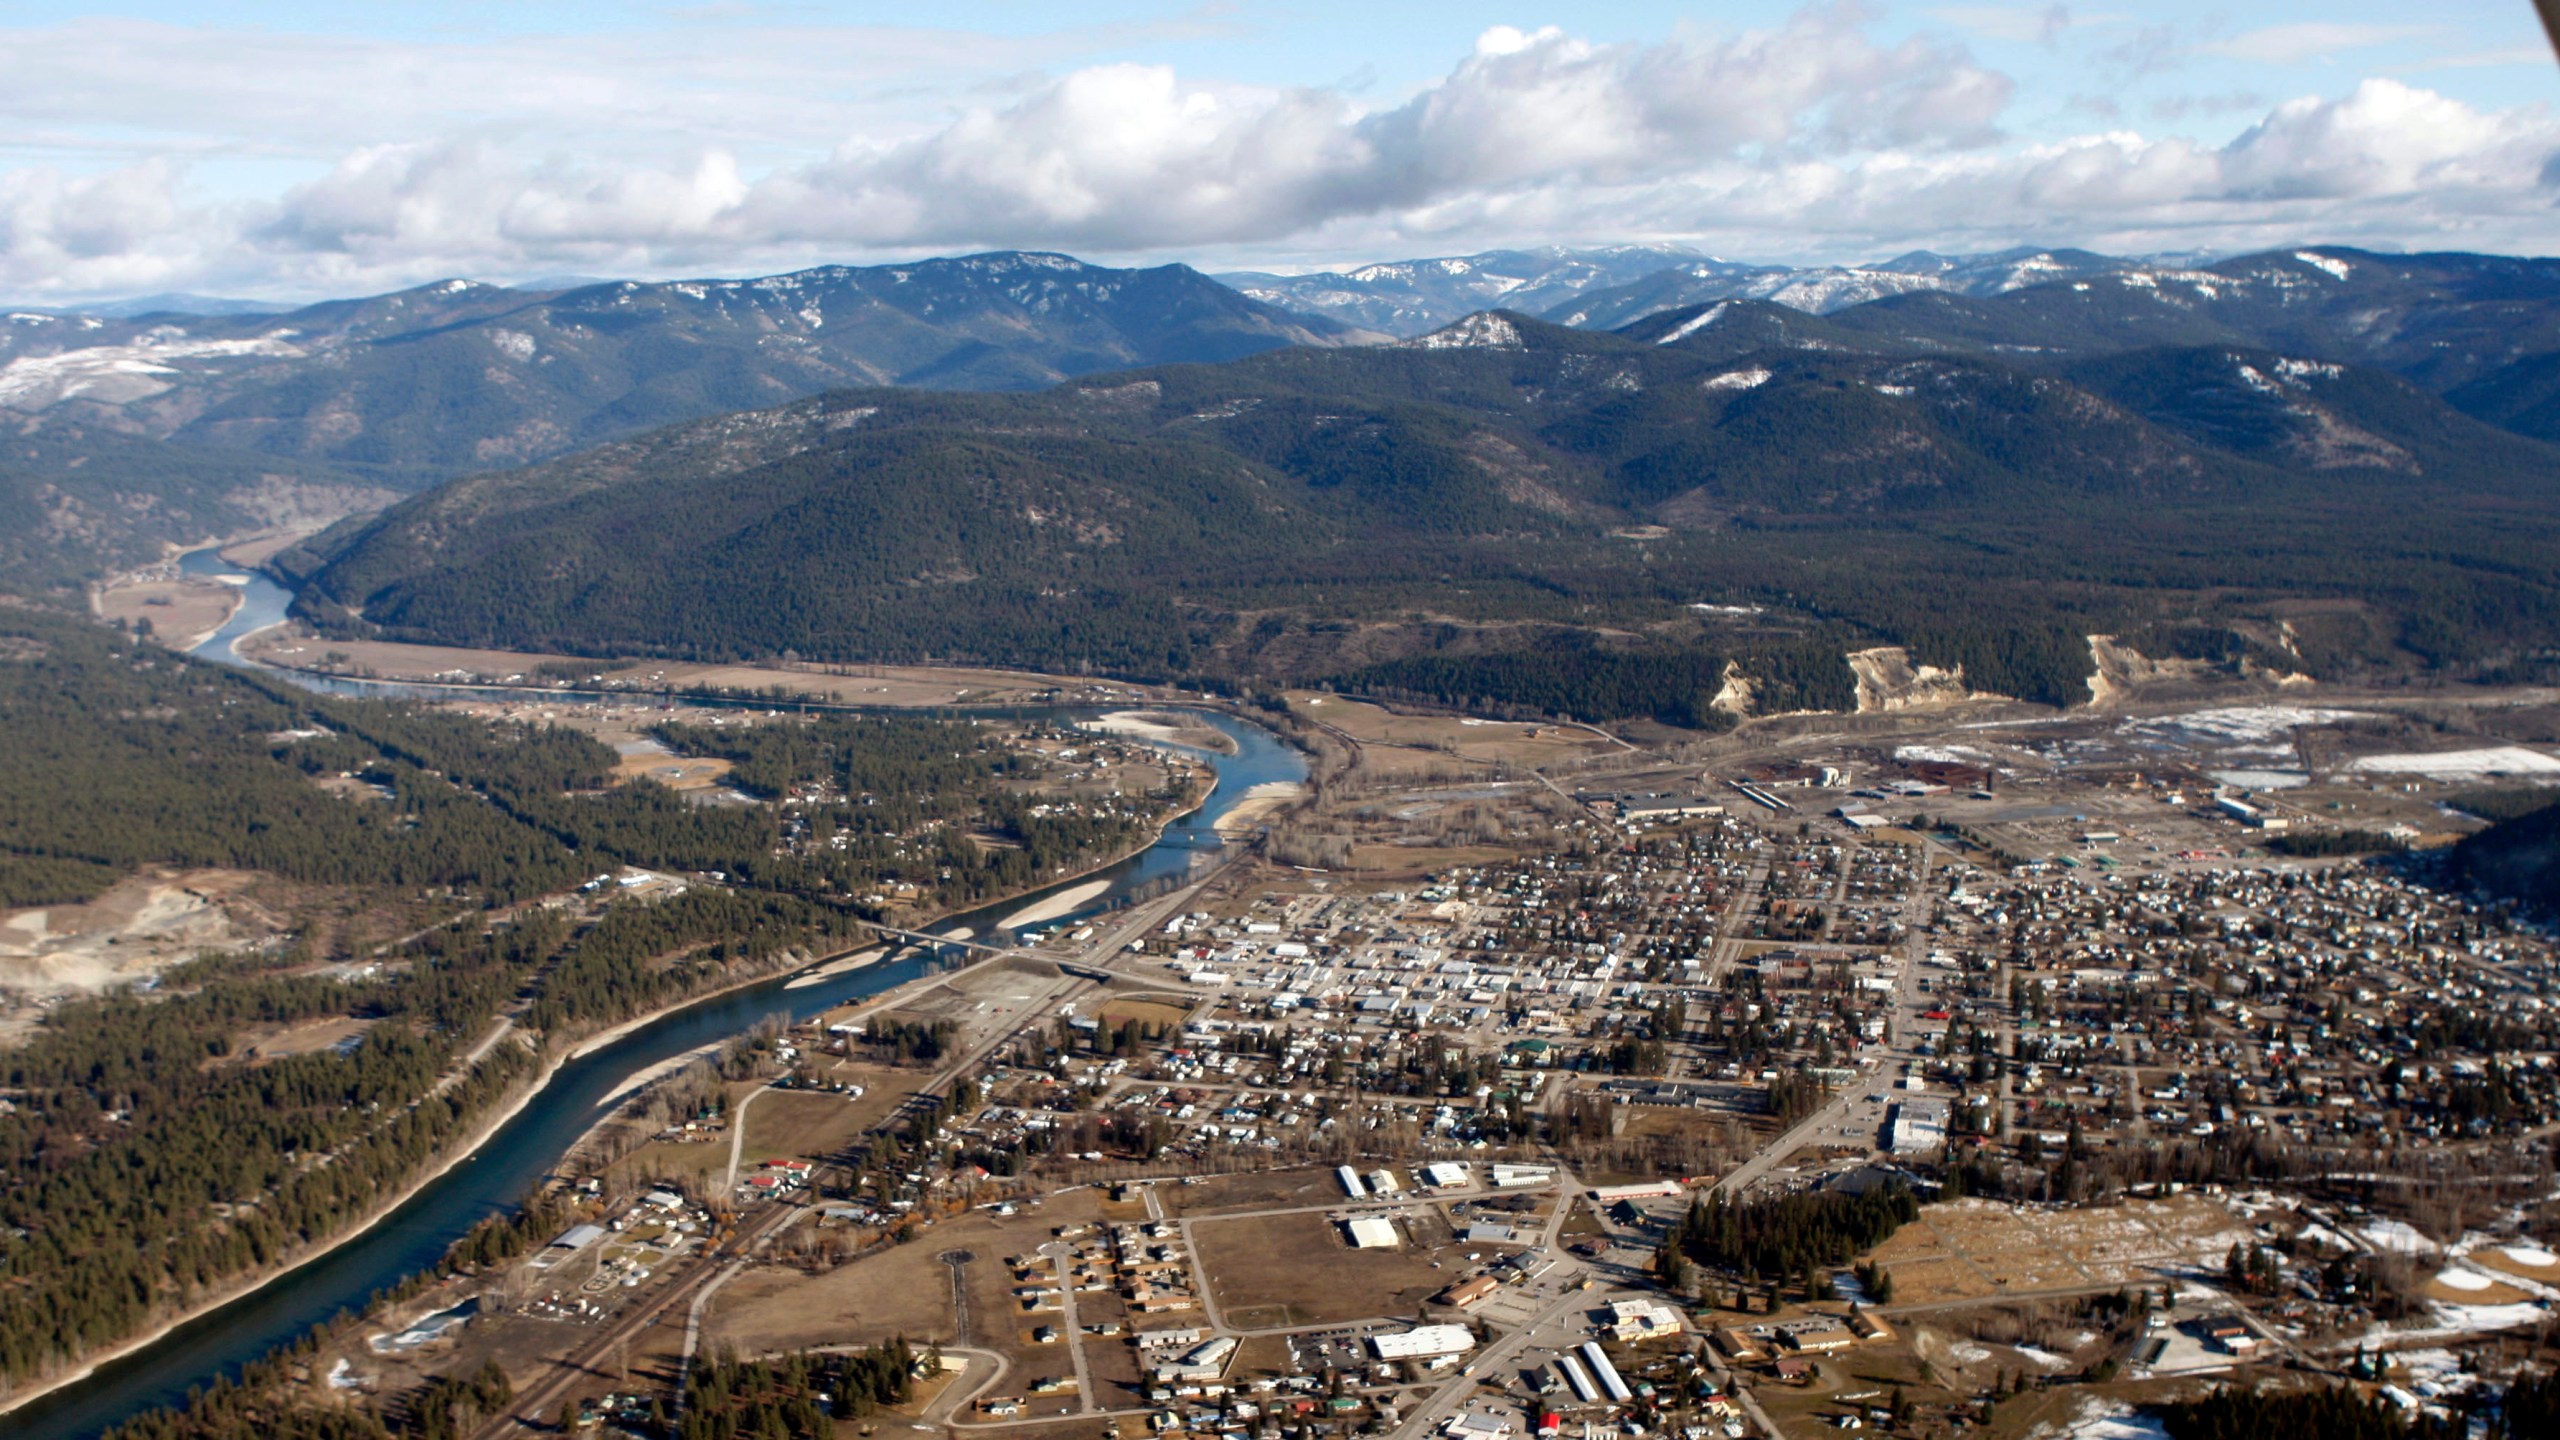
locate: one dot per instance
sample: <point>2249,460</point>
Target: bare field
<point>1982,1249</point>
<point>676,772</point>
<point>1145,1012</point>
<point>183,613</point>
<point>1393,861</point>
<point>1486,742</point>
<point>1297,1269</point>
<point>1261,1190</point>
<point>891,685</point>
<point>904,1290</point>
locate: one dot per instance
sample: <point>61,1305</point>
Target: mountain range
<point>394,392</point>
<point>119,434</point>
<point>1511,513</point>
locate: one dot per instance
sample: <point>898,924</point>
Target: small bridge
<point>921,938</point>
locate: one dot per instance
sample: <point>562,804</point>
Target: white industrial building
<point>1371,1232</point>
<point>1423,1342</point>
<point>1919,1127</point>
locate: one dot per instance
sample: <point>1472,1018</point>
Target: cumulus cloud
<point>1816,139</point>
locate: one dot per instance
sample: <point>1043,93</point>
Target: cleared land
<point>1478,742</point>
<point>895,685</point>
<point>1297,1269</point>
<point>183,612</point>
<point>1983,1249</point>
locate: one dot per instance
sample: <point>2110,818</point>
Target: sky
<point>296,150</point>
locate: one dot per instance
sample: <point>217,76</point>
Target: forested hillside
<point>148,1158</point>
<point>2518,859</point>
<point>125,433</point>
<point>1518,515</point>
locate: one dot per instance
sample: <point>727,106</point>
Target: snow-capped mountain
<point>1412,297</point>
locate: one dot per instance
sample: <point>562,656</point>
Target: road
<point>1897,1052</point>
<point>738,1137</point>
<point>530,1412</point>
<point>1062,1256</point>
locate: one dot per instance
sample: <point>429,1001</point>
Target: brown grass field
<point>1259,1190</point>
<point>1297,1269</point>
<point>895,685</point>
<point>1982,1249</point>
<point>906,1290</point>
<point>1481,742</point>
<point>182,612</point>
<point>2494,1257</point>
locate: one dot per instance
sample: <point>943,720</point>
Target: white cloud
<point>2018,24</point>
<point>1816,140</point>
<point>2310,40</point>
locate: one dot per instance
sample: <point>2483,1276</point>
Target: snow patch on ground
<point>2462,764</point>
<point>2464,1280</point>
<point>2262,779</point>
<point>2318,261</point>
<point>2236,724</point>
<point>1942,754</point>
<point>118,373</point>
<point>2398,1237</point>
<point>1751,379</point>
<point>2533,1255</point>
<point>2460,1319</point>
<point>2043,1359</point>
<point>2106,1420</point>
<point>1694,324</point>
<point>1485,331</point>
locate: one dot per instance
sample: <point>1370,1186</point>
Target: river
<point>523,1150</point>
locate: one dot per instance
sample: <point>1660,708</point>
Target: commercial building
<point>1371,1232</point>
<point>1423,1342</point>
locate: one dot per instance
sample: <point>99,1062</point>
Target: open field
<point>1163,1013</point>
<point>1482,742</point>
<point>1297,1269</point>
<point>888,685</point>
<point>2532,1262</point>
<point>1259,1190</point>
<point>676,772</point>
<point>1983,1249</point>
<point>906,1290</point>
<point>184,612</point>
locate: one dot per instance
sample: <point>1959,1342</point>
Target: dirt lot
<point>1297,1269</point>
<point>676,772</point>
<point>1978,1249</point>
<point>137,927</point>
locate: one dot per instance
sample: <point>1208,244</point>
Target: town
<point>1922,1090</point>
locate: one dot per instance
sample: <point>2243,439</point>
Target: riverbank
<point>505,1153</point>
<point>183,611</point>
<point>509,1107</point>
<point>462,1150</point>
<point>479,1134</point>
<point>1163,727</point>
